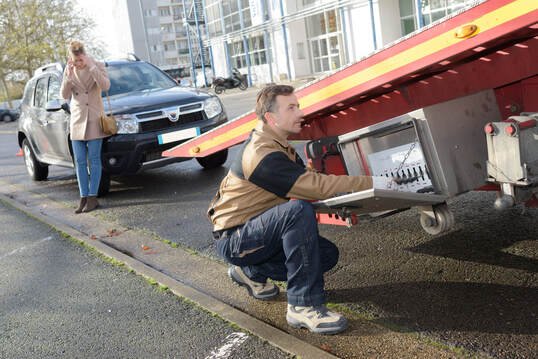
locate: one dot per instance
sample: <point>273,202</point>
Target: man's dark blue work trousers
<point>283,244</point>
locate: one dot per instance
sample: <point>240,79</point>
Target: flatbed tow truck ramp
<point>448,109</point>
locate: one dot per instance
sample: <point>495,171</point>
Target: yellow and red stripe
<point>493,19</point>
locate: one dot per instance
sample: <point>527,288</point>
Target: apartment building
<point>156,31</point>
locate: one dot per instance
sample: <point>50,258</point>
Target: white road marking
<point>15,251</point>
<point>232,341</point>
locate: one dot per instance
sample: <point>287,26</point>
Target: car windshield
<point>136,76</point>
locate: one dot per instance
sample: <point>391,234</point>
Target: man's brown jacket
<point>267,172</point>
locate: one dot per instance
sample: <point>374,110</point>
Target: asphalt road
<point>59,300</point>
<point>474,288</point>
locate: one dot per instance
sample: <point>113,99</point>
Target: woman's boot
<point>81,205</point>
<point>91,204</point>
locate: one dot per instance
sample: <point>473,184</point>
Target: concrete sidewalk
<point>205,282</point>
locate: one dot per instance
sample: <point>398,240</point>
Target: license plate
<point>178,135</point>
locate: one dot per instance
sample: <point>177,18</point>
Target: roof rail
<point>50,67</point>
<point>132,57</point>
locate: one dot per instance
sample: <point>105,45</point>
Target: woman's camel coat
<point>86,105</point>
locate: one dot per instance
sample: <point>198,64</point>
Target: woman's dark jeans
<point>283,243</point>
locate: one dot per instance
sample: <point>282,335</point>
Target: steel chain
<point>403,161</point>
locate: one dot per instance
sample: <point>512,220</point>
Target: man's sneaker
<point>258,290</point>
<point>317,319</point>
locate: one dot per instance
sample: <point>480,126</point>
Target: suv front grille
<point>165,123</point>
<point>150,114</point>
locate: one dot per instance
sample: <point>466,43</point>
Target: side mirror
<point>53,105</point>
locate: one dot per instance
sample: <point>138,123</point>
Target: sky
<point>101,12</point>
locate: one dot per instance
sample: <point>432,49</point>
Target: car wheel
<point>219,89</point>
<point>7,118</point>
<point>36,170</point>
<point>243,86</point>
<point>213,161</point>
<point>104,185</point>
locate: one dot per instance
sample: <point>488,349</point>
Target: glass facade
<point>214,22</point>
<point>431,10</point>
<point>257,48</point>
<point>257,52</point>
<point>230,14</point>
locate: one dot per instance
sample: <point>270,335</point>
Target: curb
<point>274,336</point>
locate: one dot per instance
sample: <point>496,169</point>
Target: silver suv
<point>153,114</point>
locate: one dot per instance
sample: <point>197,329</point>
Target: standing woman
<point>84,79</point>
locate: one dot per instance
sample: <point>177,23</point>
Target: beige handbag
<point>108,123</point>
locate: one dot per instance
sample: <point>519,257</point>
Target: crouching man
<point>265,235</point>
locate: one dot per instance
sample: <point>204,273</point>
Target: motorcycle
<point>236,80</point>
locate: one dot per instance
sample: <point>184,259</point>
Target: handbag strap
<point>109,106</point>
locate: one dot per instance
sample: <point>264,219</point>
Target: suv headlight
<point>212,107</point>
<point>126,124</point>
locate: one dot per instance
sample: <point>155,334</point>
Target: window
<point>237,54</point>
<point>300,51</point>
<point>40,97</point>
<point>164,11</point>
<point>136,76</point>
<point>230,13</point>
<point>431,10</point>
<point>28,92</point>
<point>54,89</point>
<point>325,39</point>
<point>180,31</point>
<point>167,28</point>
<point>257,51</point>
<point>169,46</point>
<point>149,12</point>
<point>214,22</point>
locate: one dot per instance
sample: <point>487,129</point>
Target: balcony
<point>167,19</point>
<point>170,54</point>
<point>168,36</point>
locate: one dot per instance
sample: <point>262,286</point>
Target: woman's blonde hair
<point>76,48</point>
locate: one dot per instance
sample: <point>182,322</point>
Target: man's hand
<point>382,182</point>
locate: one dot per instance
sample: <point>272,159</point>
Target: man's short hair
<point>266,99</point>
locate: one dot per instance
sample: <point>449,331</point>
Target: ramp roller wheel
<point>437,220</point>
